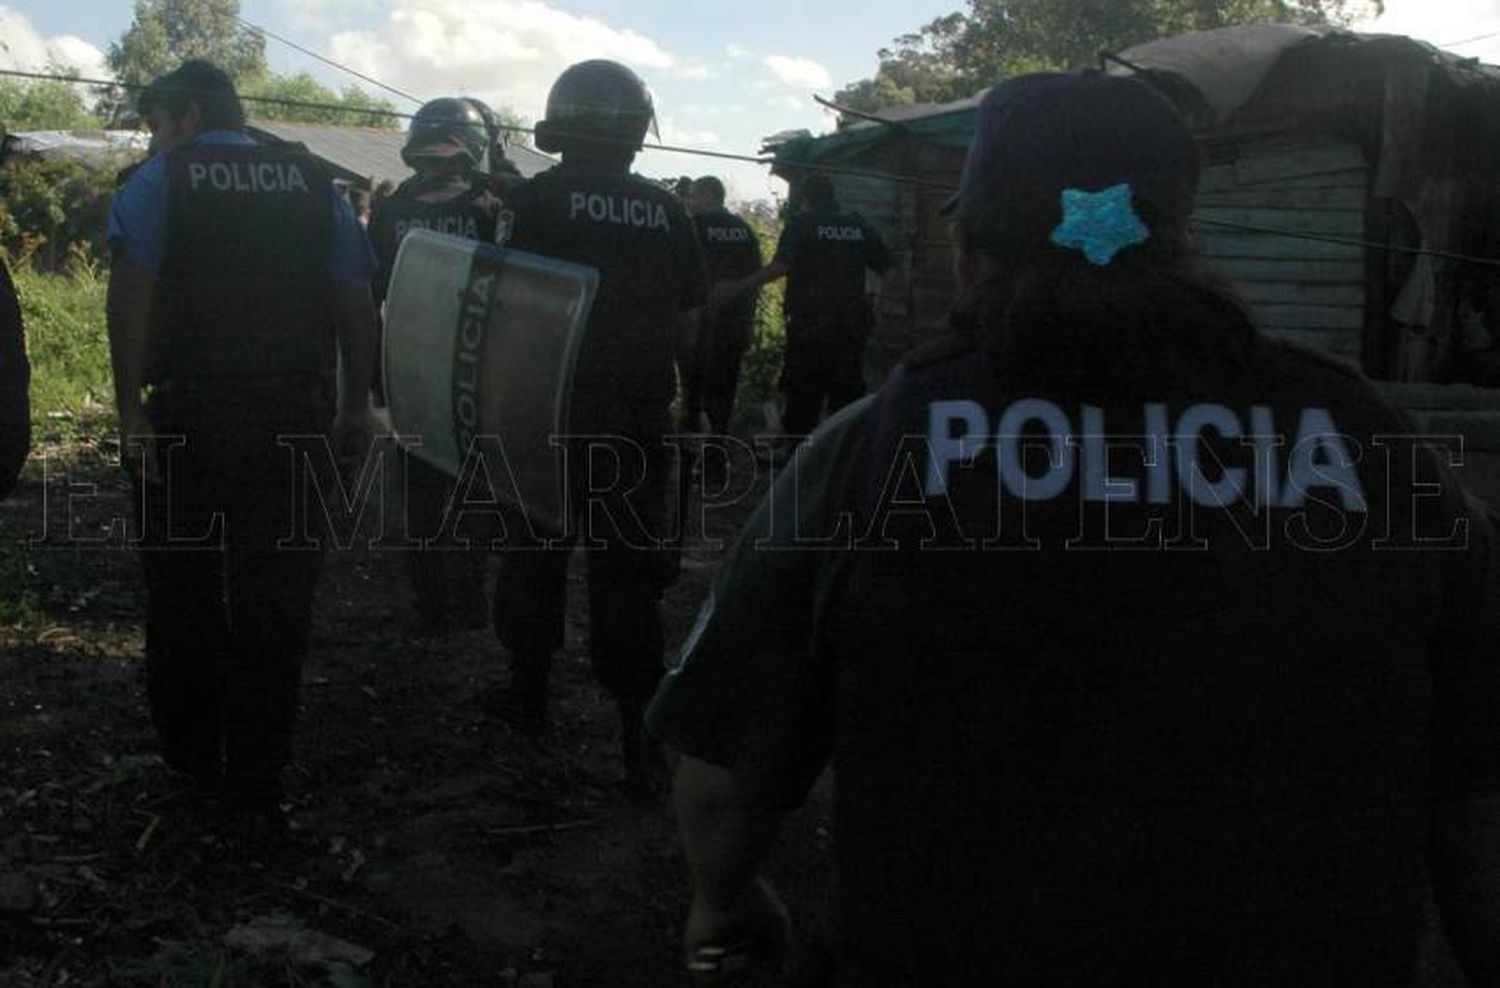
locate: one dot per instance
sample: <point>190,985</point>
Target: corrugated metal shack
<point>1347,142</point>
<point>363,156</point>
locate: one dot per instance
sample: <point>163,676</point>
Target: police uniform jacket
<point>827,254</point>
<point>1118,688</point>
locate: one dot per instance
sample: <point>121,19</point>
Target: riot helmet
<point>600,104</point>
<point>446,128</point>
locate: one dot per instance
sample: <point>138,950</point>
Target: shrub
<point>71,381</point>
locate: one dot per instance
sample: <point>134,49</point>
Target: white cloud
<point>507,52</point>
<point>800,72</point>
<point>693,70</point>
<point>21,47</point>
<point>737,51</point>
<point>673,132</point>
<point>1443,22</point>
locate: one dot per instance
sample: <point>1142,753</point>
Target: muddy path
<point>431,846</point>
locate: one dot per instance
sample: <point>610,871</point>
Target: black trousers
<point>824,362</point>
<point>620,486</point>
<point>231,557</point>
<point>716,369</point>
<point>447,579</point>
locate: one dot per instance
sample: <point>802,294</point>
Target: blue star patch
<point>1101,224</point>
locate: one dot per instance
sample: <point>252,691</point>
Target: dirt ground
<point>431,846</point>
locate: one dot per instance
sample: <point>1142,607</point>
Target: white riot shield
<point>480,344</point>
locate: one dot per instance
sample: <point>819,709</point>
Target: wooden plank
<point>1308,317</point>
<point>1225,178</point>
<point>1243,270</point>
<point>1296,163</point>
<point>1330,222</point>
<point>1349,295</point>
<point>1221,243</point>
<point>1322,197</point>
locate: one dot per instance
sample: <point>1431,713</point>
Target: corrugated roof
<point>92,147</point>
<point>360,153</point>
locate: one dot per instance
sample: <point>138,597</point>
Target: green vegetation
<point>71,384</point>
<point>303,88</point>
<point>37,105</point>
<point>956,56</point>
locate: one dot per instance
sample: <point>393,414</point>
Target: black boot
<point>645,762</point>
<point>522,703</point>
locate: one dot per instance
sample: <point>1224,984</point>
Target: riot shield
<point>479,349</point>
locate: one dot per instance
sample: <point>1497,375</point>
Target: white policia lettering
<point>619,211</point>
<point>726,234</point>
<point>1316,456</point>
<point>455,226</point>
<point>247,176</point>
<point>846,233</point>
<point>471,329</point>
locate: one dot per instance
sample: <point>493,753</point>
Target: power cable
<point>328,61</point>
<point>514,128</point>
<point>1349,242</point>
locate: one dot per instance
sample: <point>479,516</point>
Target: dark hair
<point>201,82</point>
<point>710,186</point>
<point>1148,322</point>
<point>817,189</point>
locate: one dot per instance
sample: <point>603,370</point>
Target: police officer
<point>446,146</point>
<point>823,253</point>
<point>590,209</point>
<point>15,386</point>
<point>503,173</point>
<point>732,251</point>
<point>237,272</point>
<point>1148,650</point>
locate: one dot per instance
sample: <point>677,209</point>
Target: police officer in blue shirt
<point>1148,649</point>
<point>445,146</point>
<point>591,210</point>
<point>238,276</point>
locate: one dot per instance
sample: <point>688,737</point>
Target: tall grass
<point>71,390</point>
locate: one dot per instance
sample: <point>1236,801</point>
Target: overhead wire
<point>328,61</point>
<point>762,160</point>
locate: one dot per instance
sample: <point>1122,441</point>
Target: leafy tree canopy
<point>955,56</point>
<point>38,105</point>
<point>303,88</point>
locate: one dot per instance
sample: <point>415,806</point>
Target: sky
<point>724,75</point>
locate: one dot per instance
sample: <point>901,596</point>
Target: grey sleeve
<point>750,692</point>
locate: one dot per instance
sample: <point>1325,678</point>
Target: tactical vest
<point>471,213</point>
<point>1075,756</point>
<point>730,251</point>
<point>243,288</point>
<point>638,237</point>
<point>832,252</point>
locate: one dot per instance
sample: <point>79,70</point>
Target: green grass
<point>71,390</point>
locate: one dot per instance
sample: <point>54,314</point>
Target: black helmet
<point>596,102</point>
<point>446,128</point>
<point>491,120</point>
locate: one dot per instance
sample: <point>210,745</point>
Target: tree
<point>957,55</point>
<point>303,88</point>
<point>166,33</point>
<point>42,105</point>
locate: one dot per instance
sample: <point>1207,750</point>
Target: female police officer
<point>1139,657</point>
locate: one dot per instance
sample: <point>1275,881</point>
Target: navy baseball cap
<point>1038,135</point>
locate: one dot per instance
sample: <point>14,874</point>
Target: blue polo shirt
<point>138,221</point>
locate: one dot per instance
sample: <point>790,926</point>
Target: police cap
<point>446,128</point>
<point>597,102</point>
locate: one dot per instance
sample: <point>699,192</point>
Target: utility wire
<point>398,115</point>
<point>1349,242</point>
<point>328,61</point>
<point>1469,41</point>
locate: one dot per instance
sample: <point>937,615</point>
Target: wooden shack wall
<point>1308,290</point>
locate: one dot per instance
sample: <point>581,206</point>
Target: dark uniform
<point>448,583</point>
<point>828,318</point>
<point>731,251</point>
<point>1204,764</point>
<point>241,354</point>
<point>15,386</point>
<point>640,239</point>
